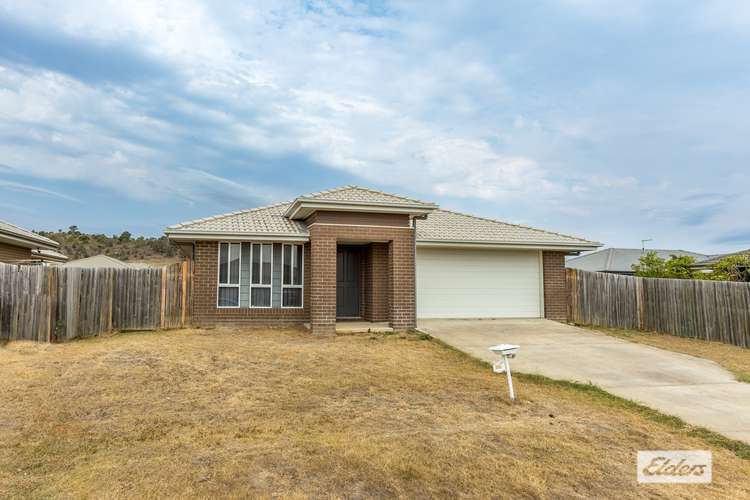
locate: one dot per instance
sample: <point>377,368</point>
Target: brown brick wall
<point>387,275</point>
<point>555,294</point>
<point>358,218</point>
<point>205,279</point>
<point>399,272</point>
<point>11,254</point>
<point>403,306</point>
<point>376,298</point>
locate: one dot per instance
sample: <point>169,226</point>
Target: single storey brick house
<point>358,253</point>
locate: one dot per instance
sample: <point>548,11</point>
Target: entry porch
<point>362,279</point>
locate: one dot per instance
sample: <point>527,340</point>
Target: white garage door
<point>459,283</point>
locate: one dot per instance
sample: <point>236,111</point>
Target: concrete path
<point>697,390</point>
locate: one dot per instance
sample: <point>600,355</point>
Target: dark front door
<point>347,282</point>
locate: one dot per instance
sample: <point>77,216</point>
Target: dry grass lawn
<point>235,413</point>
<point>733,358</point>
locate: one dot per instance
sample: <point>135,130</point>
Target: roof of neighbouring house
<point>24,237</point>
<point>713,259</point>
<point>43,254</point>
<point>440,226</point>
<point>621,260</point>
<point>100,261</point>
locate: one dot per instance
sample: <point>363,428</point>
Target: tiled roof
<point>19,232</point>
<point>101,261</point>
<point>714,259</point>
<point>447,226</point>
<point>360,194</point>
<point>262,220</point>
<point>440,225</point>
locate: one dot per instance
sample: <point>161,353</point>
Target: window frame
<point>301,286</point>
<point>252,285</point>
<point>219,284</point>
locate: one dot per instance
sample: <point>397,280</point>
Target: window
<point>292,272</point>
<point>229,275</point>
<point>260,275</point>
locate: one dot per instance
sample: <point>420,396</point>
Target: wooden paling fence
<point>702,309</point>
<point>49,304</point>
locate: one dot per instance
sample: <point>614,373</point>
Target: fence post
<point>52,305</point>
<point>572,289</point>
<point>111,280</point>
<point>639,303</point>
<point>163,294</point>
<point>183,302</point>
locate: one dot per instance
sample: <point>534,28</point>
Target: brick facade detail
<point>387,268</point>
<point>205,280</point>
<point>376,295</point>
<point>397,243</point>
<point>555,293</point>
<point>358,218</point>
<point>387,277</point>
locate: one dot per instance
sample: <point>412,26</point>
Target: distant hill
<point>76,245</point>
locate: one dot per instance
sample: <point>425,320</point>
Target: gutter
<point>507,246</point>
<point>233,236</point>
<point>176,235</point>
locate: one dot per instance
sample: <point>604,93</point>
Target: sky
<point>615,121</point>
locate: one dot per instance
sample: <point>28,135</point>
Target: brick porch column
<point>322,282</point>
<point>555,293</point>
<point>403,307</point>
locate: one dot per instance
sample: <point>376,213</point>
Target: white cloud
<point>27,188</point>
<point>282,79</point>
<point>439,99</point>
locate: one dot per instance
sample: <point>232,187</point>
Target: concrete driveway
<point>697,390</point>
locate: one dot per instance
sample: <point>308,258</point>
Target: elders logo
<point>681,466</point>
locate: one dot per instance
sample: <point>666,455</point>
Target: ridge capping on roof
<point>372,201</point>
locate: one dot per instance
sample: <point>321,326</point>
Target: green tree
<point>732,268</point>
<point>653,266</point>
<point>124,236</point>
<point>650,266</point>
<point>681,267</point>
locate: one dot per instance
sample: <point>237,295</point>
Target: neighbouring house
<point>621,260</point>
<point>101,261</point>
<point>709,262</point>
<point>353,252</point>
<point>21,246</point>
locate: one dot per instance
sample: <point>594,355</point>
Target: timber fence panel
<point>56,304</point>
<point>702,309</point>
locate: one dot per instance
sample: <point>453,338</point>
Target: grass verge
<point>739,448</point>
<point>279,413</point>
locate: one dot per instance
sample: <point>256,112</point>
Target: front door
<point>347,282</point>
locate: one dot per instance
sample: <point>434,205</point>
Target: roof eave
<point>302,208</point>
<point>565,247</point>
<point>187,236</point>
<point>27,242</point>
